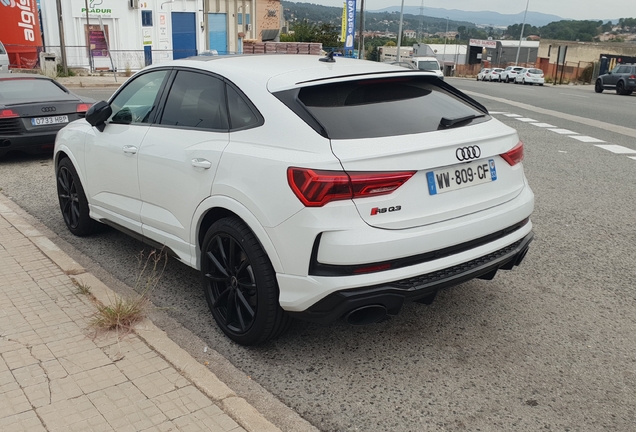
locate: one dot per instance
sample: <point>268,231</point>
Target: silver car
<point>4,59</point>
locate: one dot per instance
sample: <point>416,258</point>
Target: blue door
<point>184,39</point>
<point>217,32</point>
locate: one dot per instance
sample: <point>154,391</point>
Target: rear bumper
<point>392,295</point>
<point>31,142</point>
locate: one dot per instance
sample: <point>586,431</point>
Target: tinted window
<point>427,65</point>
<point>2,50</point>
<point>25,90</point>
<point>383,107</point>
<point>196,100</point>
<point>535,71</point>
<point>241,115</point>
<point>136,102</point>
<point>623,69</point>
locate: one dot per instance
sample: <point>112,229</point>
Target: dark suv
<point>622,78</point>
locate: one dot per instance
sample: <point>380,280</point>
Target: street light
<point>521,37</point>
<point>400,31</point>
<point>444,56</point>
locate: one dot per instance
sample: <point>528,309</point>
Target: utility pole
<point>88,39</point>
<point>60,26</point>
<point>522,28</point>
<point>444,56</point>
<point>400,31</point>
<point>361,36</point>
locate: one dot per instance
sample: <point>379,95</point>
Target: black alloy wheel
<point>620,88</point>
<point>598,87</point>
<point>240,284</point>
<point>73,202</point>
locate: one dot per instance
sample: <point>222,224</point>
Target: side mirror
<point>98,114</point>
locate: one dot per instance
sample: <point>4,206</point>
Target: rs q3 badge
<point>382,210</point>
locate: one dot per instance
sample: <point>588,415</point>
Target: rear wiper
<point>448,122</point>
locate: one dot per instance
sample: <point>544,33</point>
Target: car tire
<point>73,201</point>
<point>524,82</point>
<point>240,285</point>
<point>620,88</point>
<point>598,87</point>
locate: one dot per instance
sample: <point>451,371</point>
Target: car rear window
<point>385,107</point>
<point>535,71</point>
<point>24,90</point>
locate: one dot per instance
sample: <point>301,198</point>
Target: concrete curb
<point>206,381</point>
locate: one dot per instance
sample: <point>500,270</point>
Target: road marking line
<point>587,139</point>
<point>631,132</point>
<point>526,120</point>
<point>563,131</point>
<point>512,115</point>
<point>543,125</point>
<point>616,149</point>
<point>573,95</point>
<point>496,112</point>
<point>632,157</point>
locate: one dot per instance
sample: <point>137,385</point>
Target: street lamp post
<point>522,28</point>
<point>444,56</point>
<point>400,31</point>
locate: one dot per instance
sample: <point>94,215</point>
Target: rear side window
<point>2,50</point>
<point>384,107</point>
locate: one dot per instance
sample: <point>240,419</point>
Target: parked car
<point>299,187</point>
<point>32,109</point>
<point>622,78</point>
<point>482,74</point>
<point>495,74</point>
<point>530,76</point>
<point>404,64</point>
<point>509,73</point>
<point>4,60</point>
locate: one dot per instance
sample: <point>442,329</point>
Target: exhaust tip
<point>366,315</point>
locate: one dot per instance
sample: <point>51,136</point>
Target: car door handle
<point>201,163</point>
<point>128,149</point>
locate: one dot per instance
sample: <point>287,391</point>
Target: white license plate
<point>461,176</point>
<point>40,121</point>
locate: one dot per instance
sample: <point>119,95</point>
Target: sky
<point>574,9</point>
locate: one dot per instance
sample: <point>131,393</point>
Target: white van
<point>429,64</point>
<point>4,60</point>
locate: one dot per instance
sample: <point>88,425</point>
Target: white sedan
<point>299,187</point>
<point>481,76</point>
<point>530,76</point>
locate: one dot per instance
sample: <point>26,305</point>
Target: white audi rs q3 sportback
<point>301,186</point>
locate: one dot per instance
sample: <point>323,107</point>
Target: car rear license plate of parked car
<point>40,121</point>
<point>461,176</point>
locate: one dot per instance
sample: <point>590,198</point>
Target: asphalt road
<point>548,346</point>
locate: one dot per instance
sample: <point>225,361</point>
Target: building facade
<point>141,31</point>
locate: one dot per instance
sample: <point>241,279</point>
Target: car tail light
<point>632,77</point>
<point>315,188</point>
<point>541,75</point>
<point>528,74</point>
<point>515,155</point>
<point>8,113</point>
<point>82,108</point>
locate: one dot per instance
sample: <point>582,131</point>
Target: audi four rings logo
<point>468,153</point>
<point>48,109</point>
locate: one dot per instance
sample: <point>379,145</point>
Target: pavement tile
<point>38,395</point>
<point>64,388</point>
<point>27,421</point>
<point>12,401</point>
<point>30,375</point>
<point>18,358</point>
<point>135,359</point>
<point>160,382</point>
<point>181,402</point>
<point>213,416</point>
<point>62,415</point>
<point>99,378</point>
<point>125,405</point>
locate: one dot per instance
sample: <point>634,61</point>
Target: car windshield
<point>25,90</point>
<point>384,107</point>
<point>427,65</point>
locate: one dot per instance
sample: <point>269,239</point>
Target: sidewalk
<point>57,375</point>
<point>105,80</point>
